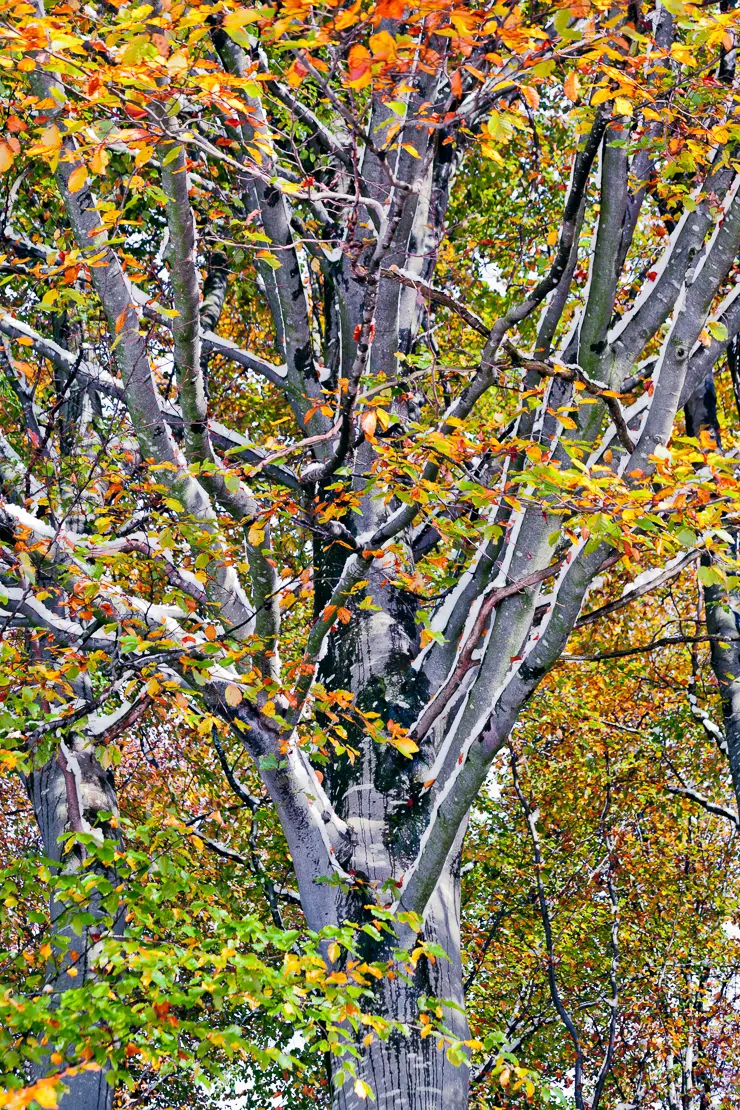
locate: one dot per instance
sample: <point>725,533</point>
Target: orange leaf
<point>6,157</point>
<point>390,9</point>
<point>531,96</point>
<point>572,86</point>
<point>99,161</point>
<point>77,179</point>
<point>347,18</point>
<point>369,422</point>
<point>296,73</point>
<point>359,67</point>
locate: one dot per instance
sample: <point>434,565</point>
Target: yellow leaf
<point>622,106</point>
<point>333,951</point>
<point>241,18</point>
<point>233,695</point>
<point>489,151</point>
<point>153,687</point>
<point>405,745</point>
<point>361,1088</point>
<point>51,137</point>
<point>6,157</point>
<point>683,54</point>
<point>45,1095</point>
<point>235,22</point>
<point>143,155</point>
<point>602,95</point>
<point>77,179</point>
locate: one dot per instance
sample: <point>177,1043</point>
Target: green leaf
<point>171,155</point>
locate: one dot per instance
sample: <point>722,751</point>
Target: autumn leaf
<point>77,179</point>
<point>7,157</point>
<point>359,61</point>
<point>99,161</point>
<point>45,1094</point>
<point>233,695</point>
<point>235,22</point>
<point>572,86</point>
<point>348,17</point>
<point>531,96</point>
<point>368,422</point>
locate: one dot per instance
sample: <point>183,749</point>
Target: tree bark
<point>380,797</point>
<point>71,793</point>
<point>411,1072</point>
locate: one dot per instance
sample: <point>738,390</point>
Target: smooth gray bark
<point>73,793</point>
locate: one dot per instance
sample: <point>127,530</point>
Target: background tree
<point>296,461</point>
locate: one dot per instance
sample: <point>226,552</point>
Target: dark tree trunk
<point>380,796</point>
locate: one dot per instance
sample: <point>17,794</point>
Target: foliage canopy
<point>369,617</point>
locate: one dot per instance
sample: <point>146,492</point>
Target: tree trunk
<point>70,793</point>
<point>380,796</point>
<point>411,1072</point>
<point>722,605</point>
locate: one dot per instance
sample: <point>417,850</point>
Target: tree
<point>355,548</point>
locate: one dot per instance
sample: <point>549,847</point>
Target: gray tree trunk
<point>722,605</point>
<point>70,793</point>
<point>381,800</point>
<point>411,1072</point>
